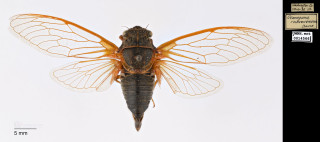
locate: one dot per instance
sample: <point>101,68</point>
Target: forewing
<point>221,45</point>
<point>59,37</point>
<point>88,75</point>
<point>187,80</point>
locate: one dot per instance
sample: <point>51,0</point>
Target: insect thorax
<point>137,50</point>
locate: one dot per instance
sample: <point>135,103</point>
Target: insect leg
<point>155,83</point>
<point>117,79</point>
<point>154,105</point>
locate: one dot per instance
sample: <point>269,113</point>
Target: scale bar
<point>26,128</point>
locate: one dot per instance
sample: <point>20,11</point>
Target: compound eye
<point>150,34</point>
<point>121,37</point>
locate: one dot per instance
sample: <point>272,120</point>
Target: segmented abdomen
<point>137,90</point>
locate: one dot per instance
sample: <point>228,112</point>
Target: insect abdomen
<point>137,90</point>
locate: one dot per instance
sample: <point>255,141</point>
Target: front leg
<point>117,79</point>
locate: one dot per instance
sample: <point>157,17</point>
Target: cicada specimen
<point>137,64</point>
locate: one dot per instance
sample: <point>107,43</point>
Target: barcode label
<point>301,36</point>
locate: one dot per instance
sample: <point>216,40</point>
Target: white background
<point>247,109</point>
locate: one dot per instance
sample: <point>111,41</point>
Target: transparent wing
<point>221,45</point>
<point>88,75</point>
<point>59,37</point>
<point>186,80</point>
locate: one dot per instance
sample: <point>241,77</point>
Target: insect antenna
<point>125,27</point>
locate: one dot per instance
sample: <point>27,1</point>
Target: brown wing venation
<point>170,77</point>
<point>220,45</point>
<point>188,82</point>
<point>35,27</point>
<point>81,35</point>
<point>93,71</point>
<point>29,33</point>
<point>184,79</point>
<point>56,36</point>
<point>241,41</point>
<point>86,75</point>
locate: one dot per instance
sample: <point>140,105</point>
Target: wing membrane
<point>187,80</point>
<point>88,75</point>
<point>221,45</point>
<point>59,37</point>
